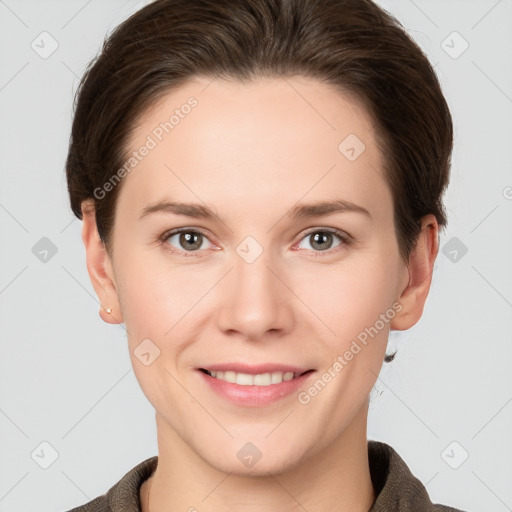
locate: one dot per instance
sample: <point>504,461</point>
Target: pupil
<point>192,239</point>
<point>320,238</point>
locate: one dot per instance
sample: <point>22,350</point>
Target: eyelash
<point>344,238</point>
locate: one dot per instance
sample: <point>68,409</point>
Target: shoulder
<point>98,504</point>
<point>123,496</point>
<point>396,488</point>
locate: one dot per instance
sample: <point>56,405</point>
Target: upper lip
<point>255,369</point>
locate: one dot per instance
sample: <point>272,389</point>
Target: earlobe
<point>99,267</point>
<point>420,268</point>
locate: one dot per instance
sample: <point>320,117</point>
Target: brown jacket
<point>396,488</point>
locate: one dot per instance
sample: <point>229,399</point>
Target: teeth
<point>246,379</point>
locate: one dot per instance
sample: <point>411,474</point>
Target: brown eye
<point>323,240</point>
<point>191,240</point>
<point>187,240</point>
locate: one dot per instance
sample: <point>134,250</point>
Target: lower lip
<point>255,396</point>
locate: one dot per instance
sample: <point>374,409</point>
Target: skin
<point>251,152</point>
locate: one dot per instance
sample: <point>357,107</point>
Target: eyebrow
<point>306,210</point>
<point>326,208</point>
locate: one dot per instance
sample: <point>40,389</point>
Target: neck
<point>335,478</point>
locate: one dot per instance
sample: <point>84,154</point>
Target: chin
<point>255,459</point>
<point>260,469</point>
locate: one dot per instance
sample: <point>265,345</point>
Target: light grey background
<point>66,377</point>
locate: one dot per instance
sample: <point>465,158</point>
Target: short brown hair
<point>353,44</point>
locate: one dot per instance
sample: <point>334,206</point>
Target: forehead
<point>274,136</point>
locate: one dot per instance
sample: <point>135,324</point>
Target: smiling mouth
<point>260,379</point>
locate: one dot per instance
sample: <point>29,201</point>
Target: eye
<point>324,239</point>
<point>186,240</point>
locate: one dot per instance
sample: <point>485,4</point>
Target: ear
<point>420,268</point>
<point>99,266</point>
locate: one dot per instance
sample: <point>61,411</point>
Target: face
<point>256,234</point>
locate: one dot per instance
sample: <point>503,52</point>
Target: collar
<point>396,488</point>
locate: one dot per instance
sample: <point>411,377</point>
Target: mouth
<point>250,379</point>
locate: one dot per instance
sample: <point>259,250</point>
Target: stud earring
<point>109,310</point>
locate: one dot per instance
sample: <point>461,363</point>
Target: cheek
<point>152,295</point>
<point>349,298</point>
<point>336,300</point>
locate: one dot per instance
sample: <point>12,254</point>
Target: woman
<point>260,184</point>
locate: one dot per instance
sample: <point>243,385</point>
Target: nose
<point>255,302</point>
